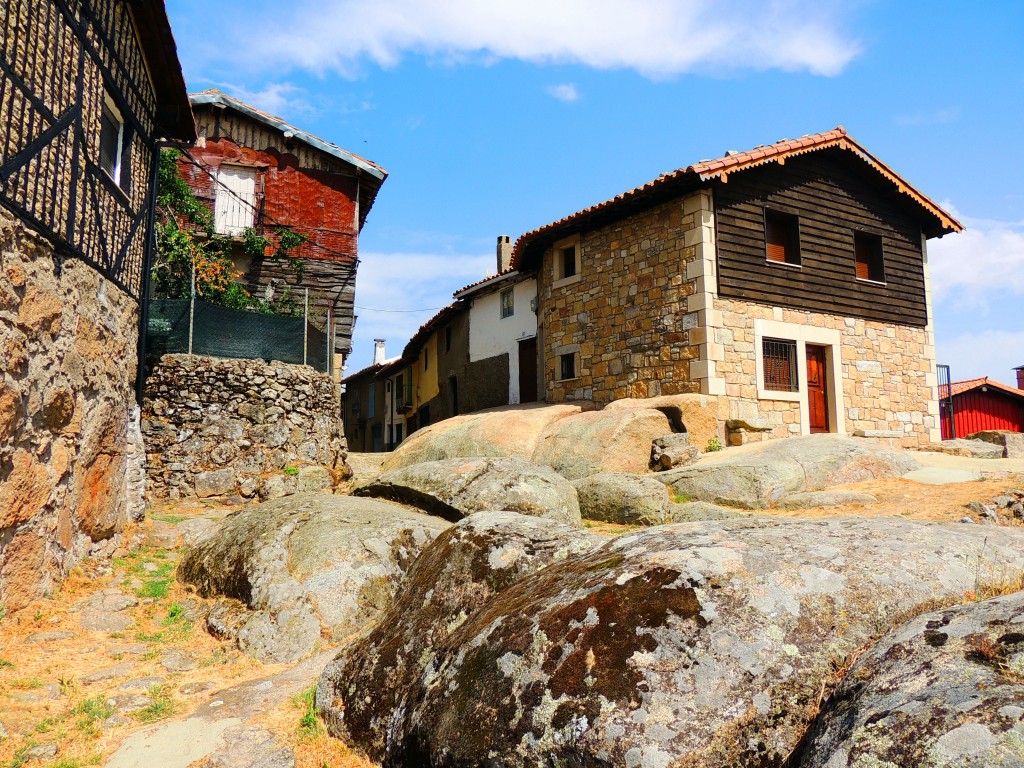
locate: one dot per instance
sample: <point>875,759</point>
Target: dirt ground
<point>48,699</point>
<point>916,501</point>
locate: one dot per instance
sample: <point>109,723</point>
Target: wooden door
<point>528,370</point>
<point>817,389</point>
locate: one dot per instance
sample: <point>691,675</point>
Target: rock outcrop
<point>573,442</point>
<point>757,476</point>
<point>616,440</point>
<point>510,431</point>
<point>705,644</point>
<point>455,488</point>
<point>946,689</point>
<point>306,565</point>
<point>621,498</point>
<point>467,565</point>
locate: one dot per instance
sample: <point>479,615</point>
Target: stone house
<point>792,279</point>
<point>90,88</point>
<point>257,172</point>
<point>366,405</point>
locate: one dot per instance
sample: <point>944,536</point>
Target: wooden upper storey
<point>846,231</point>
<point>829,203</point>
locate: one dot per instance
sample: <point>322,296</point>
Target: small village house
<point>791,279</point>
<point>983,404</point>
<point>503,332</point>
<point>89,89</point>
<point>478,352</point>
<point>259,174</point>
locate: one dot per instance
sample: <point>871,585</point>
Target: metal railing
<point>235,212</point>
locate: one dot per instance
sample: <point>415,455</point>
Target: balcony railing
<point>235,212</point>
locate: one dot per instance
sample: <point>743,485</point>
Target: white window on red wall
<point>235,205</point>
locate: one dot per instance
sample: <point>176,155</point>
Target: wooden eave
<point>530,247</point>
<point>173,112</point>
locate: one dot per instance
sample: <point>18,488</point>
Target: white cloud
<point>934,117</point>
<point>992,353</point>
<point>565,92</point>
<point>658,38</point>
<point>400,282</point>
<point>987,258</point>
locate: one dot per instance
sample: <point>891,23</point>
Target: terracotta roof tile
<point>490,278</point>
<point>959,387</point>
<point>720,168</point>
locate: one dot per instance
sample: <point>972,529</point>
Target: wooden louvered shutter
<point>776,239</point>
<point>862,255</point>
<point>867,256</point>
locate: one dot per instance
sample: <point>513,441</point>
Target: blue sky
<point>498,117</point>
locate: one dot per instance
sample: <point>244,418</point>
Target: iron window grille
<point>507,303</point>
<point>779,357</point>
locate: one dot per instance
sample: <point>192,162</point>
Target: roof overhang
<point>370,175</point>
<point>173,112</point>
<point>531,246</point>
<point>490,284</point>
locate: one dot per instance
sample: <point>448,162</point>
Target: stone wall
<point>887,375</point>
<point>240,428</point>
<point>68,342</point>
<point>603,316</point>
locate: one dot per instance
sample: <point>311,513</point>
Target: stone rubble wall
<point>240,428</point>
<point>68,354</point>
<point>604,314</point>
<point>888,380</point>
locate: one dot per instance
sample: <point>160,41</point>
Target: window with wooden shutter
<point>235,204</point>
<point>867,255</point>
<point>782,238</point>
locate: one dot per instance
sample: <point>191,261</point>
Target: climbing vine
<point>187,241</point>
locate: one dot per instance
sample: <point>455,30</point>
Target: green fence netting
<point>222,332</point>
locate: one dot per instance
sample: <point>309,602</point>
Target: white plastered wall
<point>490,334</point>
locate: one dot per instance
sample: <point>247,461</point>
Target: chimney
<point>504,253</point>
<point>1020,376</point>
<point>378,351</point>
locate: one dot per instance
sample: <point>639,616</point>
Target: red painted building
<point>983,404</point>
<point>257,172</point>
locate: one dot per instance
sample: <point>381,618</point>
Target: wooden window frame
<point>508,309</point>
<point>120,173</point>
<point>789,224</point>
<point>559,261</point>
<point>874,265</point>
<point>570,358</point>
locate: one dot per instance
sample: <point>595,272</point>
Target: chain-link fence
<point>199,328</point>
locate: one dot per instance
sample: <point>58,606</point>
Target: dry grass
<point>907,499</point>
<point>297,724</point>
<point>610,529</point>
<point>69,713</point>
